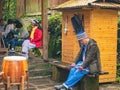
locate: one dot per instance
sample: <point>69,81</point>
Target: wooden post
<point>45,28</point>
<point>0,8</point>
<point>22,83</point>
<point>27,79</point>
<point>8,84</point>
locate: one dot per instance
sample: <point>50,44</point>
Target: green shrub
<point>9,9</point>
<point>54,27</point>
<point>119,22</point>
<point>118,72</point>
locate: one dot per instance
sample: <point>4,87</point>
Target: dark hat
<point>78,27</point>
<point>19,25</point>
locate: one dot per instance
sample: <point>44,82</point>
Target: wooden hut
<point>100,19</point>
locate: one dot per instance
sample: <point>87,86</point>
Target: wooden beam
<point>0,8</point>
<point>45,28</point>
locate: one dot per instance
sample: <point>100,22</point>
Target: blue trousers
<point>6,42</point>
<point>75,76</point>
<point>15,42</point>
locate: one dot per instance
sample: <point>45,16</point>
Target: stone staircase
<point>40,74</point>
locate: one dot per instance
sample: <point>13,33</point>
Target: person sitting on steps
<point>35,40</point>
<point>8,28</point>
<point>12,36</point>
<point>19,37</point>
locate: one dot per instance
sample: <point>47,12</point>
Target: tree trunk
<point>45,28</point>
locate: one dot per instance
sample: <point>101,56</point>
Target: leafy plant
<point>54,29</point>
<point>118,72</point>
<point>119,23</point>
<point>9,9</point>
<point>118,50</point>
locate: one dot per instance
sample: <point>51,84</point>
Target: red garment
<point>38,38</point>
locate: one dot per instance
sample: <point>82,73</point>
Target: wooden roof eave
<point>110,8</point>
<point>73,8</point>
<point>84,8</point>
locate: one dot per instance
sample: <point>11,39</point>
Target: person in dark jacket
<point>19,36</point>
<point>87,61</point>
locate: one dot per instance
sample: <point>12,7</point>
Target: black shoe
<point>64,88</point>
<point>11,50</point>
<point>70,89</point>
<point>23,53</point>
<point>58,87</point>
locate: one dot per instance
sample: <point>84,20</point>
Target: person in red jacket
<point>35,40</point>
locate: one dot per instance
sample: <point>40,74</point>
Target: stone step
<point>40,72</point>
<point>39,65</point>
<point>39,77</point>
<point>42,83</point>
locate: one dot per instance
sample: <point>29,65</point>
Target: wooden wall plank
<point>33,6</point>
<point>20,8</point>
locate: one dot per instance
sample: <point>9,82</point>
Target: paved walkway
<point>48,84</point>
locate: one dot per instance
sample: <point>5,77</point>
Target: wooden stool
<point>1,79</point>
<point>20,85</point>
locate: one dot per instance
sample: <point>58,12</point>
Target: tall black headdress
<point>78,27</point>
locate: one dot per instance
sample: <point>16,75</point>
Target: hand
<point>15,35</point>
<point>72,65</point>
<point>80,68</point>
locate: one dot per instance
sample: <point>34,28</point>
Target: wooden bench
<point>60,72</point>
